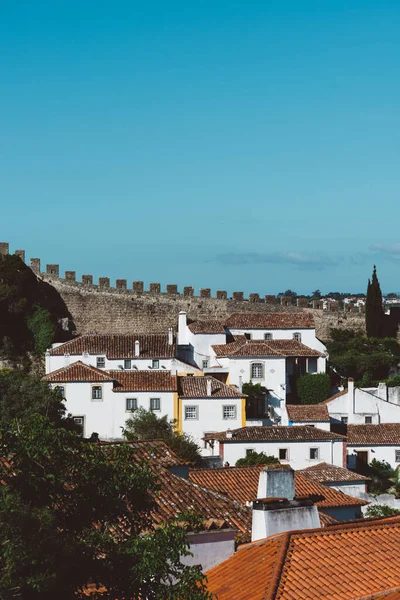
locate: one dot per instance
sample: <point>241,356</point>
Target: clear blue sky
<point>235,145</point>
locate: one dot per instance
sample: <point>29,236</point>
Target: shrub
<point>381,511</point>
<point>313,389</point>
<point>42,328</point>
<point>256,458</point>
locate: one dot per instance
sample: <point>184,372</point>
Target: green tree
<point>75,513</point>
<point>145,425</point>
<point>42,328</point>
<point>312,389</point>
<point>381,511</point>
<point>374,314</point>
<point>316,295</point>
<point>257,458</point>
<point>256,399</point>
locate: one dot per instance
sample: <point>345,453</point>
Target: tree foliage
<point>257,458</point>
<point>312,389</point>
<point>256,399</point>
<point>145,425</point>
<point>42,329</point>
<point>374,314</point>
<point>73,513</point>
<point>381,511</point>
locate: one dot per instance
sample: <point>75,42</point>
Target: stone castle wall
<point>104,309</point>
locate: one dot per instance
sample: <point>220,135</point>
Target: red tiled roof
<point>382,434</point>
<point>144,381</point>
<point>271,433</point>
<point>326,520</point>
<point>78,372</point>
<point>241,484</point>
<point>196,387</point>
<point>117,346</point>
<point>155,451</point>
<point>205,327</point>
<point>342,562</point>
<point>393,594</point>
<point>307,412</point>
<point>242,347</point>
<point>324,472</point>
<point>291,320</point>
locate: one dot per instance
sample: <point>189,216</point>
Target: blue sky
<point>234,145</point>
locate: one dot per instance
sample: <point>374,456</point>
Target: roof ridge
<point>273,585</point>
<point>77,362</point>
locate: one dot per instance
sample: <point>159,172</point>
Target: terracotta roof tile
<point>115,346</point>
<point>144,381</point>
<point>241,484</point>
<point>78,372</point>
<point>374,435</point>
<point>278,320</point>
<point>155,451</point>
<point>324,472</point>
<point>301,433</point>
<point>204,327</point>
<point>242,347</point>
<point>307,412</point>
<point>196,387</point>
<point>341,562</point>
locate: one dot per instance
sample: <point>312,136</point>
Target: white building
<point>300,447</point>
<point>316,415</point>
<point>361,406</point>
<point>339,478</point>
<point>366,442</point>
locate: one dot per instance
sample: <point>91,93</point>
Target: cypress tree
<point>373,308</point>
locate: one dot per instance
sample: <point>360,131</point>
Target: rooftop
<point>281,320</point>
<point>381,434</point>
<point>77,372</point>
<point>307,412</point>
<point>242,347</point>
<point>270,433</point>
<point>196,387</point>
<point>118,346</point>
<point>326,473</point>
<point>341,562</point>
<point>144,381</point>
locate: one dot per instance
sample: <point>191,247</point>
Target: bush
<point>313,389</point>
<point>381,511</point>
<point>381,474</point>
<point>256,458</point>
<point>42,328</point>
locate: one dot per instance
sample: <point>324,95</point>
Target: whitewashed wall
<point>143,364</point>
<point>386,453</point>
<point>201,344</point>
<point>364,404</point>
<point>210,548</point>
<point>351,488</point>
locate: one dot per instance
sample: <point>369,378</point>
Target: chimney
<point>350,399</point>
<point>183,335</point>
<point>276,510</point>
<point>382,391</point>
<point>208,386</point>
<point>170,336</point>
<point>228,434</point>
<point>137,348</point>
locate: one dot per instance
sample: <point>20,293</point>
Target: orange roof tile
<point>307,412</point>
<point>115,346</point>
<point>77,372</point>
<point>147,381</point>
<point>324,472</point>
<point>277,320</point>
<point>381,434</point>
<point>270,433</point>
<point>342,562</point>
<point>242,347</point>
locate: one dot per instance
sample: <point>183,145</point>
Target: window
<point>205,364</point>
<point>247,336</point>
<point>229,412</point>
<point>190,413</point>
<point>344,420</point>
<point>267,336</point>
<point>368,420</point>
<point>100,362</point>
<point>60,389</point>
<point>397,455</point>
<point>249,451</point>
<point>97,392</point>
<point>257,371</point>
<point>127,363</point>
<point>297,337</point>
<point>155,404</point>
<point>80,421</point>
<point>314,453</point>
<point>131,404</point>
<point>283,454</point>
<point>155,364</point>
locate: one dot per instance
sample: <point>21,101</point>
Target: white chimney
<point>183,333</point>
<point>276,510</point>
<point>208,387</point>
<point>382,391</point>
<point>137,348</point>
<point>170,336</point>
<point>350,399</point>
<point>228,434</point>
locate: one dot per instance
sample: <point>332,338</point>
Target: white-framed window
<point>191,413</point>
<point>397,455</point>
<point>267,336</point>
<point>80,421</point>
<point>127,363</point>
<point>155,404</point>
<point>283,453</point>
<point>101,362</point>
<point>155,363</point>
<point>247,336</point>
<point>60,389</point>
<point>205,364</point>
<point>368,420</point>
<point>97,392</point>
<point>131,404</point>
<point>344,420</point>
<point>314,453</point>
<point>297,336</point>
<point>229,411</point>
<point>257,370</point>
